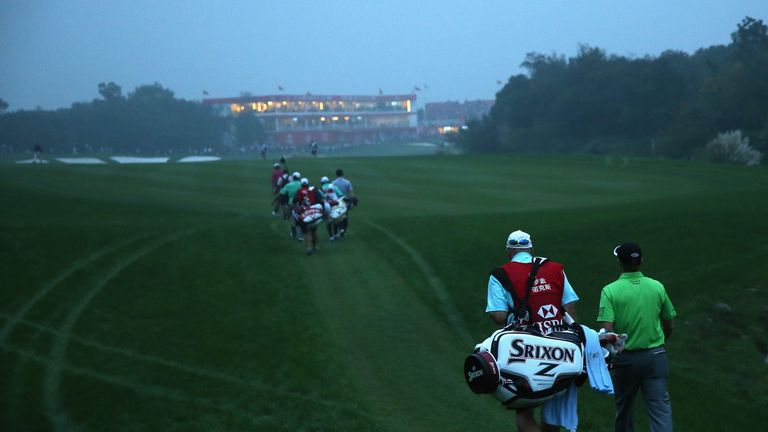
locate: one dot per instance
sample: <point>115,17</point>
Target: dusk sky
<point>54,53</point>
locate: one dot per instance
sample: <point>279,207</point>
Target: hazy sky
<point>54,53</point>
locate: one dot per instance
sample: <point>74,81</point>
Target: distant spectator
<point>313,148</point>
<point>37,151</point>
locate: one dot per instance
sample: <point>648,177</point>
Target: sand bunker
<point>422,144</point>
<point>82,161</point>
<point>31,161</point>
<point>199,159</point>
<point>139,160</point>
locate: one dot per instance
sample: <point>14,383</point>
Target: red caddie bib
<point>545,303</point>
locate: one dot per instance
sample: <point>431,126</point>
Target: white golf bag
<point>338,212</point>
<point>311,216</point>
<point>523,368</point>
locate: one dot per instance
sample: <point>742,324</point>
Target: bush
<point>732,147</point>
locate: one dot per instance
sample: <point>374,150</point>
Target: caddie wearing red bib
<point>543,305</point>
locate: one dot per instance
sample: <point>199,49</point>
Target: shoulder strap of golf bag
<point>522,308</point>
<point>521,304</point>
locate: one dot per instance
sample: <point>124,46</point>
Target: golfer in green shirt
<point>640,307</point>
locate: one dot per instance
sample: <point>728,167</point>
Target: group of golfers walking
<point>634,304</point>
<point>305,206</point>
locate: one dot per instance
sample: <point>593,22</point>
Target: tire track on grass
<point>145,389</point>
<point>52,380</point>
<point>54,367</point>
<point>446,303</point>
<point>47,287</point>
<point>401,357</point>
<point>194,370</point>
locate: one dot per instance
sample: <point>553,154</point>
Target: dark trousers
<point>647,371</point>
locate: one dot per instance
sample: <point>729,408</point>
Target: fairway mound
<point>189,159</point>
<point>139,160</point>
<point>31,161</point>
<point>81,161</point>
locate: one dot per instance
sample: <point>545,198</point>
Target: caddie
<point>544,305</point>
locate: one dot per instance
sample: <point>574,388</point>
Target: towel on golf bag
<point>562,411</point>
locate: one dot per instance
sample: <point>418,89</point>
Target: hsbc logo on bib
<point>547,311</point>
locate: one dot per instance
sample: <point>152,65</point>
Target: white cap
<point>277,165</point>
<point>324,179</point>
<point>519,240</point>
<point>304,181</point>
<point>296,175</point>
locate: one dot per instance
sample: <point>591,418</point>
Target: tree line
<point>148,120</point>
<point>671,105</point>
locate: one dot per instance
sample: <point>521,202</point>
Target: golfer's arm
<point>667,326</point>
<point>570,308</point>
<point>499,317</point>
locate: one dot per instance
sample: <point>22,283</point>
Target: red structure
<point>449,117</point>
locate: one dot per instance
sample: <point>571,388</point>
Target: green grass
<point>165,297</point>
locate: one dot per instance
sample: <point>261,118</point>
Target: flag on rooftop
<point>205,93</point>
<point>416,88</point>
<point>380,92</point>
<point>280,88</point>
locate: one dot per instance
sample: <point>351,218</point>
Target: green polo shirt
<point>290,189</point>
<point>636,304</point>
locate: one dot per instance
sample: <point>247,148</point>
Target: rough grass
<point>165,297</point>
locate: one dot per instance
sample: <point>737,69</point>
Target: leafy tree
<point>670,105</point>
<point>149,120</point>
<point>751,38</point>
<point>3,106</point>
<point>110,91</point>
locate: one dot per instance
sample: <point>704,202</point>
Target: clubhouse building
<point>300,119</point>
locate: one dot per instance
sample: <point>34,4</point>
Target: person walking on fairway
<point>549,298</point>
<point>332,196</point>
<point>640,307</point>
<point>277,184</point>
<point>345,186</point>
<point>288,192</point>
<point>305,199</point>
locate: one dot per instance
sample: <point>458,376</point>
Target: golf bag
<point>310,217</point>
<point>338,211</point>
<point>523,368</point>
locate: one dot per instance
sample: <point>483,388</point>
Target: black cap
<point>628,253</point>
